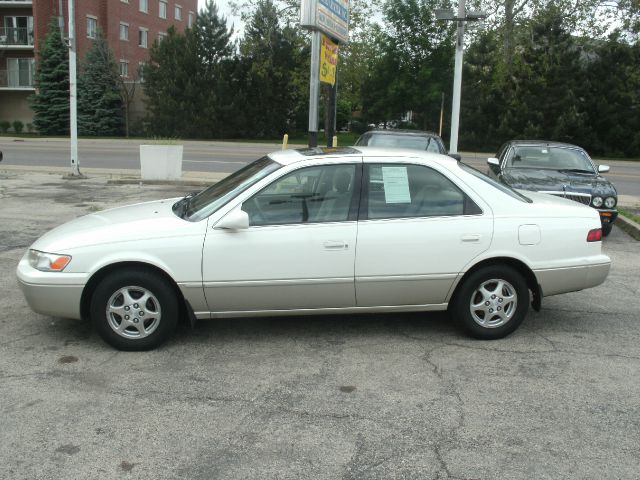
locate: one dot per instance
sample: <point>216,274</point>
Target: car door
<point>299,249</point>
<point>416,233</point>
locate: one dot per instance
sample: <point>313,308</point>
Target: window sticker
<point>396,185</point>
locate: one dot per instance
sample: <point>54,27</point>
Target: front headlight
<point>610,202</point>
<point>597,202</point>
<point>48,262</point>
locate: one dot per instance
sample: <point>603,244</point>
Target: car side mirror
<point>493,162</point>
<point>234,220</point>
<point>603,168</point>
<point>457,156</point>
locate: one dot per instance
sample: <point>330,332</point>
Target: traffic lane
<point>197,156</point>
<point>224,157</point>
<point>315,397</point>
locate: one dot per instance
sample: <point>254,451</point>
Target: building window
<point>124,1</point>
<point>124,31</point>
<point>141,67</point>
<point>163,9</point>
<point>143,38</point>
<point>178,12</point>
<point>20,72</point>
<point>161,36</point>
<point>144,6</point>
<point>192,19</point>
<point>92,27</point>
<point>124,68</point>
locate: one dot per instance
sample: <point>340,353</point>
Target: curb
<point>629,226</point>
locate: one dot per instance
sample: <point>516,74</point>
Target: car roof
<point>546,143</point>
<point>391,131</point>
<point>287,157</point>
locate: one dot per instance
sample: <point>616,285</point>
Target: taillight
<point>594,235</point>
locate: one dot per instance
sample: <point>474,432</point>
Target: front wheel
<point>606,229</point>
<point>492,302</point>
<point>134,310</point>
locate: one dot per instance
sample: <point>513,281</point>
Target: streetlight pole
<point>73,91</point>
<point>461,19</point>
<point>457,80</point>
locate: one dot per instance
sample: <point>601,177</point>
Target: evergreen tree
<point>215,69</point>
<point>100,107</point>
<point>271,56</point>
<point>50,103</point>
<point>172,87</point>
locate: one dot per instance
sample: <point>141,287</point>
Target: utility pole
<point>461,19</point>
<point>314,88</point>
<point>457,80</point>
<point>73,91</point>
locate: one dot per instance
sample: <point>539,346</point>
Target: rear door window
<point>401,191</point>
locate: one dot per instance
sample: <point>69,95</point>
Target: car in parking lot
<point>318,231</point>
<point>411,139</point>
<point>559,169</point>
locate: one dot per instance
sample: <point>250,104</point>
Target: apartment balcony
<point>17,80</point>
<point>15,3</point>
<point>20,38</point>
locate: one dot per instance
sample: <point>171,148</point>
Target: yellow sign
<point>328,61</point>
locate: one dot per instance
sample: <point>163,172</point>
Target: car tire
<point>491,302</point>
<point>606,229</point>
<point>134,310</point>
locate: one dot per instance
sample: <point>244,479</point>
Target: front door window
<point>309,195</point>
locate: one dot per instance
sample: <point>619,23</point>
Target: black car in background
<point>411,139</point>
<point>559,169</point>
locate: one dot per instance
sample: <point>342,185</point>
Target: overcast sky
<point>225,10</point>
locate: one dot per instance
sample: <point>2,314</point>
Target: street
<point>209,156</point>
<point>403,396</point>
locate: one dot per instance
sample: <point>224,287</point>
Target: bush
<point>4,126</point>
<point>30,127</point>
<point>18,126</point>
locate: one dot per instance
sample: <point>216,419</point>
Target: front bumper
<point>53,294</point>
<point>607,216</point>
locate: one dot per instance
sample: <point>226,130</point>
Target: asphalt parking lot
<point>401,396</point>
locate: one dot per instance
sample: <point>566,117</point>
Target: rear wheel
<point>134,310</point>
<point>492,302</point>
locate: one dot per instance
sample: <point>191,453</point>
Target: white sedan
<point>319,231</point>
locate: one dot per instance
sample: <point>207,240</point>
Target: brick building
<point>130,26</point>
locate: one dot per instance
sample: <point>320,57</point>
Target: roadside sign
<point>329,16</point>
<point>328,61</point>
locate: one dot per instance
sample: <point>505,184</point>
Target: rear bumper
<point>571,279</point>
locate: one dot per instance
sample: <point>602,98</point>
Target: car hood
<point>131,223</point>
<point>554,180</point>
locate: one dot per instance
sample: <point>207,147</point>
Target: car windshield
<point>206,202</point>
<point>389,140</point>
<point>551,158</point>
<point>503,188</point>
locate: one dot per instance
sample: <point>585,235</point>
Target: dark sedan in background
<point>559,169</point>
<point>411,139</point>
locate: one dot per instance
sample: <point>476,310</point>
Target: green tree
<point>172,87</point>
<point>271,55</point>
<point>50,103</point>
<point>415,65</point>
<point>215,67</point>
<point>100,106</point>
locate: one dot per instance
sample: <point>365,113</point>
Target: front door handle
<point>335,245</point>
<point>472,238</point>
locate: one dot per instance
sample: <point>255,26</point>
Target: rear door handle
<point>472,238</point>
<point>335,245</point>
